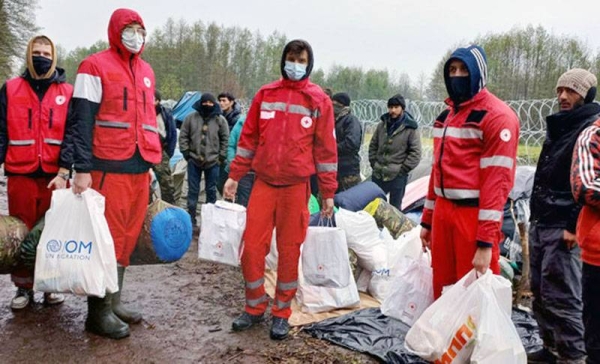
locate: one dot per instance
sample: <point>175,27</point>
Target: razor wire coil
<point>531,113</point>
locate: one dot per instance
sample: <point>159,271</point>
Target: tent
<point>184,106</point>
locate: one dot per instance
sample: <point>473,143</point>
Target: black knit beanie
<point>397,100</point>
<point>342,98</point>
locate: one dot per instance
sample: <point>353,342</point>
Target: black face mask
<point>41,65</point>
<point>460,88</point>
<point>157,108</point>
<point>206,111</point>
<point>337,109</point>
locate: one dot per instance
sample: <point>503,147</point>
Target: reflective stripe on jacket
<point>35,128</point>
<point>289,136</point>
<point>474,160</point>
<point>114,95</point>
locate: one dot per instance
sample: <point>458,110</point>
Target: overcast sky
<point>402,36</point>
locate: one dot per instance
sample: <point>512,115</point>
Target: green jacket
<point>398,154</point>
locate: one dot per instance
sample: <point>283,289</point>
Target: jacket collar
<point>564,121</point>
<point>294,84</point>
<point>473,100</point>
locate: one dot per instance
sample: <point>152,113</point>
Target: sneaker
<point>51,299</point>
<point>279,328</point>
<point>245,321</point>
<point>543,356</point>
<point>22,299</point>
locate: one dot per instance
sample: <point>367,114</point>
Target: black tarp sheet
<point>369,331</point>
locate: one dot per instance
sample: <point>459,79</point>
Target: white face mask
<point>133,41</point>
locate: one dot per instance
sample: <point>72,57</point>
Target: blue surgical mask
<point>295,71</point>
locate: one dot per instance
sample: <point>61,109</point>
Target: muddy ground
<point>188,307</point>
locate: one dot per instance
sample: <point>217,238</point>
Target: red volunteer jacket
<point>474,160</point>
<point>35,128</point>
<point>120,86</point>
<point>288,136</point>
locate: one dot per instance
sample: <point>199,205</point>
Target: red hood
<point>119,19</point>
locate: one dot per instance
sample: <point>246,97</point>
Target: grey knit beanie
<point>578,80</point>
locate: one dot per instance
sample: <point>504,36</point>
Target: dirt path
<point>188,307</point>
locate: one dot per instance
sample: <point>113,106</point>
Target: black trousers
<point>556,286</point>
<point>591,311</point>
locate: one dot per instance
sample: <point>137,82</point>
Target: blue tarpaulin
<point>184,106</point>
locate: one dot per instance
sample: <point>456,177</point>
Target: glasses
<point>131,32</point>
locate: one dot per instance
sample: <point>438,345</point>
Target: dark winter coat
<point>233,115</point>
<point>170,140</point>
<point>204,140</point>
<point>348,133</point>
<point>552,203</point>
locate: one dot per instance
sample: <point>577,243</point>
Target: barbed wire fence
<point>531,113</point>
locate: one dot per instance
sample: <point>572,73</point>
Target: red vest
<point>127,117</point>
<point>35,129</point>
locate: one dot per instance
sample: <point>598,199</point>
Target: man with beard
<point>555,257</point>
<point>395,150</point>
<point>288,136</point>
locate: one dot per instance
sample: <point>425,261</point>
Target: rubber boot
<point>102,321</point>
<point>131,317</point>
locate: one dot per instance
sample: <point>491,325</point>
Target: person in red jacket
<point>33,113</point>
<point>474,161</point>
<point>116,143</point>
<point>585,174</point>
<point>288,136</point>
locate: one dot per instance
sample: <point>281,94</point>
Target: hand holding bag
<point>76,252</point>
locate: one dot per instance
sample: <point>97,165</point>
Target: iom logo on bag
<point>54,246</point>
<point>70,249</point>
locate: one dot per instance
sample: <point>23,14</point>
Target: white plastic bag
<point>363,237</point>
<point>314,298</point>
<point>76,252</point>
<point>363,280</point>
<point>449,329</point>
<point>325,259</point>
<point>407,245</point>
<point>223,225</point>
<point>497,340</point>
<point>411,291</point>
